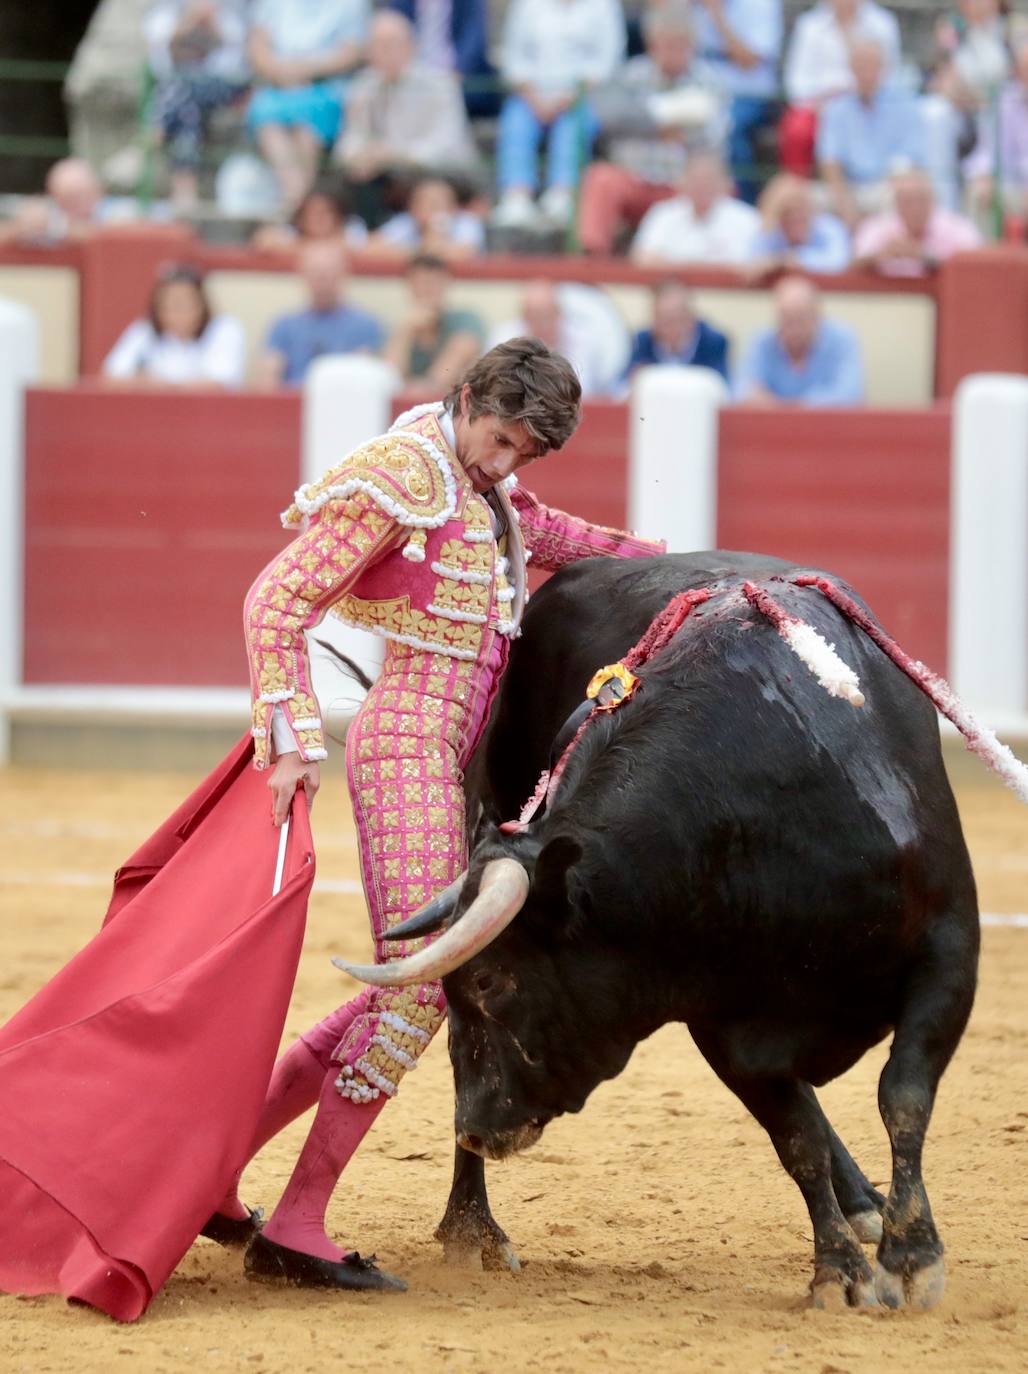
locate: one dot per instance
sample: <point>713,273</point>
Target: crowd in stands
<point>678,132</point>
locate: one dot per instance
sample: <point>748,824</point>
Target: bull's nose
<point>473,1143</point>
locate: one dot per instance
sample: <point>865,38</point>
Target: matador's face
<point>489,449</point>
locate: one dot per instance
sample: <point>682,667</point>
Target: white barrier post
<point>988,601</point>
<point>673,438</point>
<point>346,402</point>
<point>19,367</point>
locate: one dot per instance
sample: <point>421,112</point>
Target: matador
<point>421,536</point>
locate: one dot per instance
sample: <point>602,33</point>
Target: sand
<point>657,1230</point>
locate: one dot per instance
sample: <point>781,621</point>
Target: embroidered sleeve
<point>386,493</point>
<point>291,596</point>
<point>554,538</point>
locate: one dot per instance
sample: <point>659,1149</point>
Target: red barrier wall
<point>147,516</point>
<point>149,513</point>
<point>982,324</point>
<point>864,494</point>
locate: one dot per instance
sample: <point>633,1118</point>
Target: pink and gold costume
<point>398,542</point>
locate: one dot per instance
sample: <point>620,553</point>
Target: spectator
<point>702,224</point>
<point>972,62</point>
<point>453,36</point>
<point>805,359</point>
<point>323,214</point>
<point>433,223</point>
<point>866,135</point>
<point>197,53</point>
<point>741,40</point>
<point>661,105</point>
<point>544,316</point>
<point>795,235</point>
<point>554,52</point>
<point>402,119</point>
<point>678,335</point>
<point>327,325</point>
<point>71,209</point>
<point>998,167</point>
<point>300,50</point>
<point>817,67</point>
<point>913,237</point>
<point>433,346</point>
<point>180,343</point>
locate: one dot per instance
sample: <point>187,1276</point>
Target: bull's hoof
<point>478,1255</point>
<point>834,1290</point>
<point>918,1291</point>
<point>866,1226</point>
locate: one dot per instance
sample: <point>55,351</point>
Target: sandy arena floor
<point>657,1230</point>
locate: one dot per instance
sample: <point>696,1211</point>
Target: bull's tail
<point>980,739</point>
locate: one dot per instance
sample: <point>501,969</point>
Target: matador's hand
<point>289,773</point>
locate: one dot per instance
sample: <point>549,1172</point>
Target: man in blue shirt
<point>866,135</point>
<point>805,360</point>
<point>328,325</point>
<point>677,335</point>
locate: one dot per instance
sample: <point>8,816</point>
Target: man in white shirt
<point>704,224</point>
<point>544,316</point>
<point>817,67</point>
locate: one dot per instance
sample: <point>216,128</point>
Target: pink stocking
<point>298,1221</point>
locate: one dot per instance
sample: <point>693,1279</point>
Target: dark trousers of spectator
<point>749,114</point>
<point>183,105</point>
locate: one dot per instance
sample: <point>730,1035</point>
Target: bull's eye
<point>484,983</point>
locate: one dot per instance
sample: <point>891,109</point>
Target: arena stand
<point>148,513</point>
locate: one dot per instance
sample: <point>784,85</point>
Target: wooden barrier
<point>148,514</point>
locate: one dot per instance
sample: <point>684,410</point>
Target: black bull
<point>737,850</point>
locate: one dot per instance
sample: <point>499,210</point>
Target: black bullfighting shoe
<point>267,1262</point>
<point>233,1232</point>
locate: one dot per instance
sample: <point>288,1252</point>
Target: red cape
<point>131,1084</point>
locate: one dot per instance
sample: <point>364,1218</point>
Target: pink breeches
<point>405,756</point>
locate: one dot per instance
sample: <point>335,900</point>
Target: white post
<point>19,367</point>
<point>988,600</point>
<point>673,439</point>
<point>346,401</point>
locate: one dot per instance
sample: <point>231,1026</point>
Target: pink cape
<point>131,1084</point>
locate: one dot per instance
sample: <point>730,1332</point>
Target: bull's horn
<point>431,917</point>
<point>500,897</point>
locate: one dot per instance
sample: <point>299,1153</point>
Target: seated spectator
<point>327,325</point>
<point>323,214</point>
<point>545,316</point>
<point>865,136</point>
<point>660,105</point>
<point>702,224</point>
<point>433,223</point>
<point>180,343</point>
<point>401,120</point>
<point>997,169</point>
<point>551,50</point>
<point>741,41</point>
<point>794,234</point>
<point>197,53</point>
<point>433,346</point>
<point>72,208</point>
<point>453,36</point>
<point>678,335</point>
<point>300,50</point>
<point>817,67</point>
<point>805,359</point>
<point>915,235</point>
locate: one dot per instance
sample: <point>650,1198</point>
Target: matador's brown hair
<point>523,381</point>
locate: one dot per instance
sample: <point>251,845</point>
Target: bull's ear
<point>553,880</point>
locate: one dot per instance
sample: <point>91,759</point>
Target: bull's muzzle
<point>500,1144</point>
